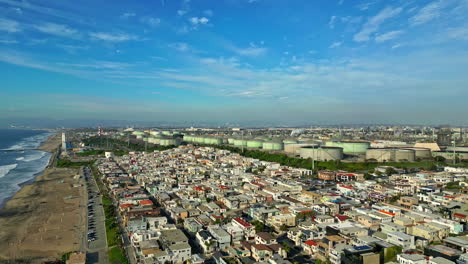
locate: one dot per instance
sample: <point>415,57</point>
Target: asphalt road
<point>97,249</point>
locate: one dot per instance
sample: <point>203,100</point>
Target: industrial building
<point>391,154</point>
<point>350,147</point>
<point>321,153</point>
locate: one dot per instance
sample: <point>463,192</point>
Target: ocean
<point>20,162</point>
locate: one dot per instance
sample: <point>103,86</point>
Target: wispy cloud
<point>72,49</point>
<point>335,45</point>
<point>97,65</point>
<point>366,5</point>
<point>8,41</point>
<point>57,30</point>
<point>458,33</point>
<point>253,50</point>
<point>198,21</point>
<point>331,23</point>
<point>372,25</point>
<point>208,12</point>
<point>112,37</point>
<point>427,13</point>
<point>180,46</point>
<point>388,36</point>
<point>9,25</point>
<point>127,15</point>
<point>151,21</point>
<point>47,11</point>
<point>185,8</point>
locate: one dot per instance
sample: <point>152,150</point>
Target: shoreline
<point>43,147</point>
<point>42,219</point>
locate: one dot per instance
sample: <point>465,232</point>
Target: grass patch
<point>117,145</point>
<point>117,256</point>
<point>90,153</point>
<point>65,163</point>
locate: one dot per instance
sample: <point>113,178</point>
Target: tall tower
<point>64,142</point>
<point>99,131</point>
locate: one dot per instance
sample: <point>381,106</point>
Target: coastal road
<point>97,249</point>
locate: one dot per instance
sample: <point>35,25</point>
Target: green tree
<point>389,171</point>
<point>391,253</point>
<point>286,247</point>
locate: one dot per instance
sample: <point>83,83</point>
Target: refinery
<point>368,144</point>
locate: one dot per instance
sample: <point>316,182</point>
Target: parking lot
<point>95,226</point>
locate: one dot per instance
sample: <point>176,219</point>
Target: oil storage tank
<point>421,153</point>
<point>391,154</point>
<point>231,140</point>
<point>168,142</point>
<point>402,155</point>
<point>350,147</point>
<point>288,141</point>
<point>295,148</point>
<point>324,153</point>
<point>272,145</point>
<point>240,142</point>
<point>254,143</point>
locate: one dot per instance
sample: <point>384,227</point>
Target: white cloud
<point>331,23</point>
<point>208,12</point>
<point>8,41</point>
<point>180,46</point>
<point>335,45</point>
<point>185,8</point>
<point>198,21</point>
<point>372,25</point>
<point>127,15</point>
<point>460,33</point>
<point>17,10</point>
<point>112,37</point>
<point>252,51</point>
<point>72,49</point>
<point>57,30</point>
<point>396,46</point>
<point>388,36</point>
<point>151,21</point>
<point>365,6</point>
<point>181,12</point>
<point>427,13</point>
<point>9,25</point>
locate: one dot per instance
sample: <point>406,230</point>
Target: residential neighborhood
<point>195,204</point>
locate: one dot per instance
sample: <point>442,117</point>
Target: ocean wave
<point>20,158</point>
<point>5,169</point>
<point>32,142</point>
<point>35,156</point>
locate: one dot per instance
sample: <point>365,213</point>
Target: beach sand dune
<point>46,218</point>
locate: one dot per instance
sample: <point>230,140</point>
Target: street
<point>97,249</point>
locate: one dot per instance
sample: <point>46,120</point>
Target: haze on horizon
<point>336,61</point>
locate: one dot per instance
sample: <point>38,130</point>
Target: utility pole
<point>242,137</point>
<point>313,159</point>
<point>454,152</point>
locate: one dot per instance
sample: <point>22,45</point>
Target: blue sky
<point>295,61</point>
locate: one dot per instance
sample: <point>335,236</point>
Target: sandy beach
<point>46,218</point>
